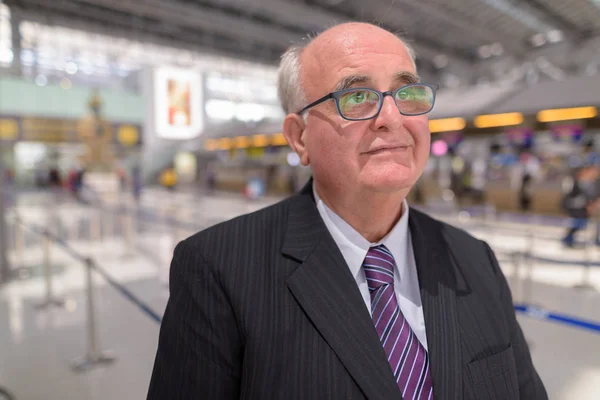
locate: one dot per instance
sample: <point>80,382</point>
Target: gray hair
<point>289,86</point>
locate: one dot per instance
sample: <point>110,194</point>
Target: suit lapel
<point>328,294</point>
<point>438,285</point>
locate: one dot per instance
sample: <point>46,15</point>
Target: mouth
<point>384,149</point>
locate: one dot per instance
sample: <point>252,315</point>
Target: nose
<point>389,117</point>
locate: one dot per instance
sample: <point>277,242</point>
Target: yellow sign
<point>9,129</point>
<point>447,125</point>
<point>498,120</point>
<point>242,142</point>
<point>48,129</point>
<point>278,140</point>
<point>255,152</point>
<point>565,114</point>
<point>128,135</point>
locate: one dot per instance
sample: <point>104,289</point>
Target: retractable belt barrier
<point>526,309</point>
<point>94,355</point>
<point>543,314</point>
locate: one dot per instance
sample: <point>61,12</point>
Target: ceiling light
<point>592,69</point>
<point>497,49</point>
<point>71,68</point>
<point>66,83</point>
<point>222,110</point>
<point>293,159</point>
<point>6,56</point>
<point>542,62</point>
<point>451,81</point>
<point>440,61</point>
<point>555,36</point>
<point>447,125</point>
<point>538,39</point>
<point>439,148</point>
<point>565,114</point>
<point>485,52</point>
<point>497,120</point>
<point>41,80</point>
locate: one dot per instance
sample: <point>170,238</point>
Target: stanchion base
<point>91,361</point>
<point>22,273</point>
<point>585,286</point>
<point>59,303</point>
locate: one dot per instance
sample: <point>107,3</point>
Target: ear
<point>294,129</point>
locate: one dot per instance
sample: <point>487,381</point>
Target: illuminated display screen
<point>178,103</point>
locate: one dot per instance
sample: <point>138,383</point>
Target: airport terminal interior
<point>127,126</point>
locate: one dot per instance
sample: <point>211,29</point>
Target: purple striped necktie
<point>407,356</point>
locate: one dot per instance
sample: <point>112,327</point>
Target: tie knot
<point>379,267</point>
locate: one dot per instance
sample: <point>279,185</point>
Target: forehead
<point>363,51</point>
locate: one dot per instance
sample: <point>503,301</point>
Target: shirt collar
<point>354,246</point>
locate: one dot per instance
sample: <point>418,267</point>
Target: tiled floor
<point>37,347</point>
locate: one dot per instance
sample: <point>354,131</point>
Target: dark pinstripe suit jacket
<point>264,307</point>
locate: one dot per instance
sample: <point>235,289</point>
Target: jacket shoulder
<point>242,231</point>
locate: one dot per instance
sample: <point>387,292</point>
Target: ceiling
<point>458,43</point>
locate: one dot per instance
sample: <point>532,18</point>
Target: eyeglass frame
<point>336,95</point>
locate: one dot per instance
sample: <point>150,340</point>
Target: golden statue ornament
<point>97,135</point>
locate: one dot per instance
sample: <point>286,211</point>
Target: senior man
<point>341,291</point>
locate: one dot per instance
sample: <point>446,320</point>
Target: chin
<point>392,180</point>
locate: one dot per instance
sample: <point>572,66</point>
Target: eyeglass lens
<point>364,103</point>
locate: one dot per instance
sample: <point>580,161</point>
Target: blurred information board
<point>55,130</point>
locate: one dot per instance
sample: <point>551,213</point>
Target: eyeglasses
<point>359,104</point>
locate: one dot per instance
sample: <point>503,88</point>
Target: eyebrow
<point>405,77</point>
<point>348,81</point>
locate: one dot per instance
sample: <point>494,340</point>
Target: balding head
<point>301,63</point>
<point>383,153</point>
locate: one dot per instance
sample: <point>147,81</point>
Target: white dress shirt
<point>354,248</point>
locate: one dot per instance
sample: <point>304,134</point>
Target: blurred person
<point>55,183</point>
<point>581,202</point>
<point>74,183</point>
<point>590,154</point>
<point>39,176</point>
<point>342,291</point>
<point>70,180</point>
<point>54,178</point>
<point>211,178</point>
<point>122,176</point>
<point>9,187</point>
<point>79,184</point>
<point>136,183</point>
<point>528,168</point>
<point>525,193</point>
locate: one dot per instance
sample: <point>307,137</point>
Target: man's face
<point>387,153</point>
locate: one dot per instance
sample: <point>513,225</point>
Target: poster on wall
<point>520,137</point>
<point>567,133</point>
<point>178,103</point>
